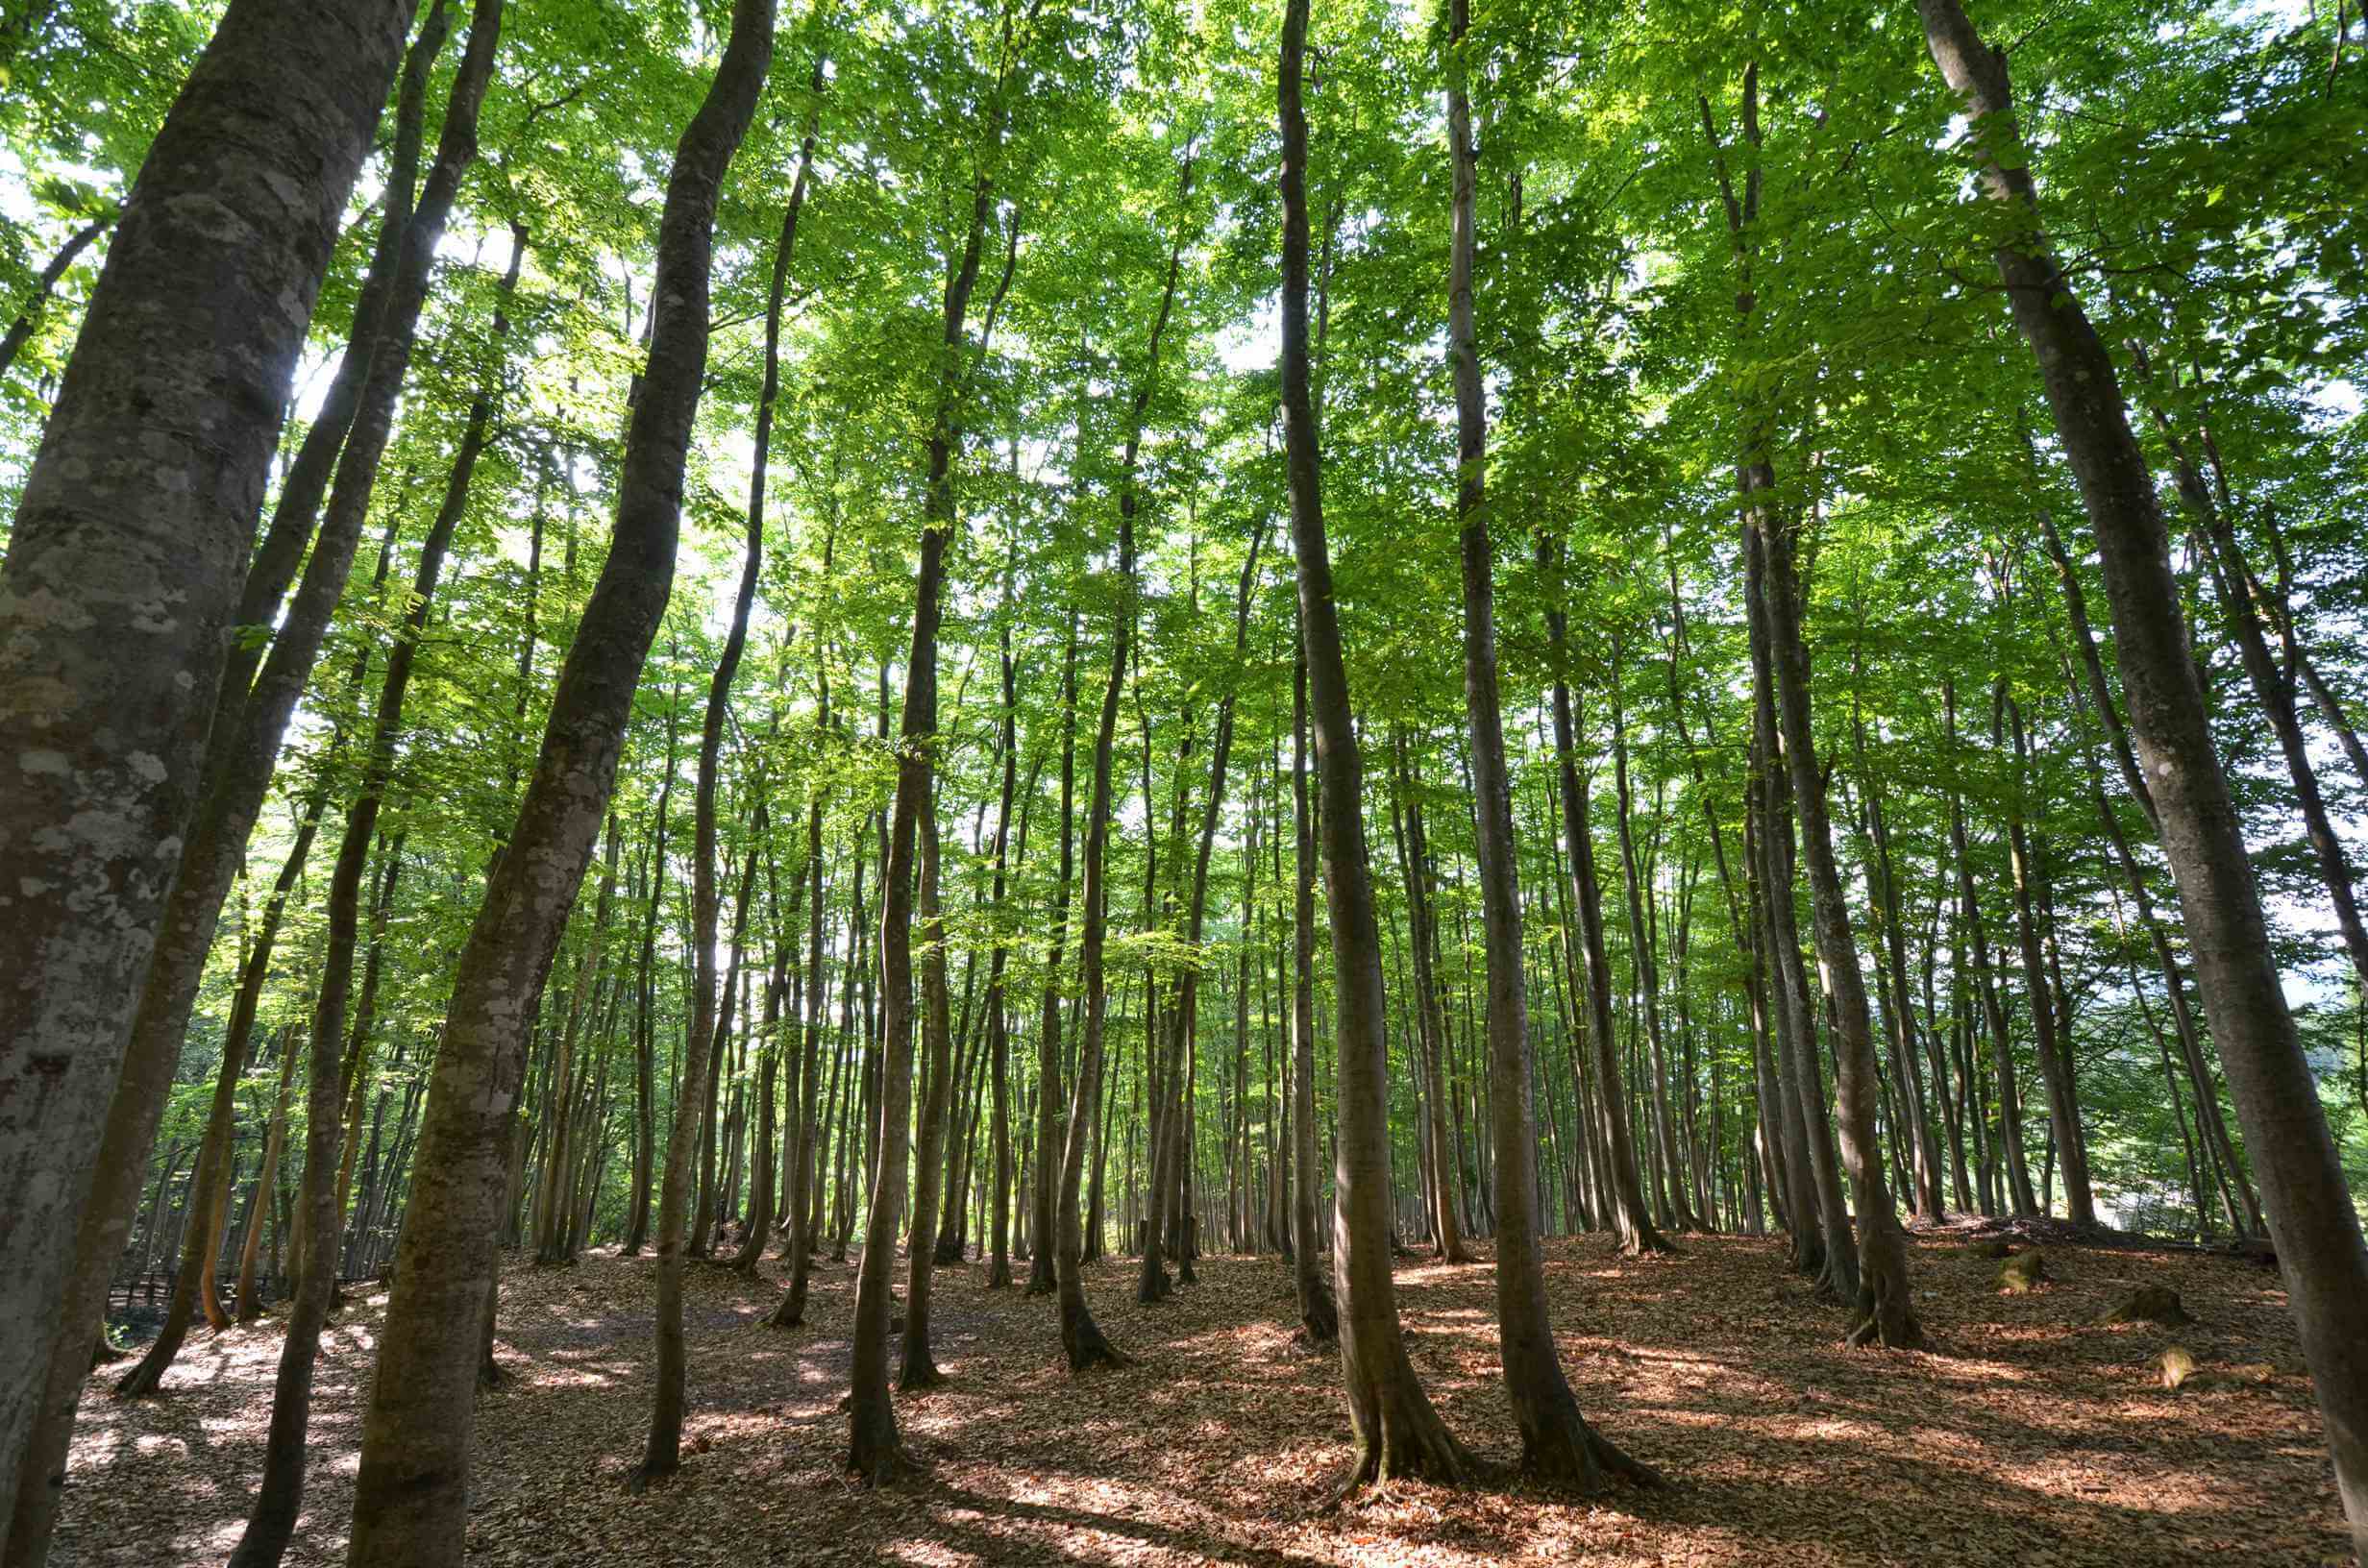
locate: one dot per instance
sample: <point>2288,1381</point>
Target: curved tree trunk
<point>272,1518</point>
<point>410,1501</point>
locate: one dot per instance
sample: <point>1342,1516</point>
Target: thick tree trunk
<point>410,1501</point>
<point>144,494</point>
<point>2310,1215</point>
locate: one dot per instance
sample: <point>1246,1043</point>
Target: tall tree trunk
<point>644,1028</point>
<point>1396,1431</point>
<point>663,1456</point>
<point>1556,1444</point>
<point>166,418</point>
<point>410,1501</point>
<point>272,1518</point>
<point>1051,1134</point>
<point>2023,1197</point>
<point>2050,1027</point>
<point>2310,1215</point>
<point>1318,1308</point>
<point>1883,1312</point>
<point>1624,1194</point>
<point>874,1451</point>
<point>918,1368</point>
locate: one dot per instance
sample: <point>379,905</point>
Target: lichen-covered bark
<point>123,568</point>
<point>411,1498</point>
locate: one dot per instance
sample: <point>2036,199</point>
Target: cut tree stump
<point>2149,1304</point>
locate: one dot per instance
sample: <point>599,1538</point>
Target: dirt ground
<point>2026,1434</point>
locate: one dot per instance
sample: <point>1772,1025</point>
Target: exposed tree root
<point>1406,1440</point>
<point>876,1464</point>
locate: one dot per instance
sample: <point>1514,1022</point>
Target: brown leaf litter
<point>2028,1435</point>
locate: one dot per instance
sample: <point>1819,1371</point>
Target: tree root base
<point>886,1465</point>
<point>648,1474</point>
<point>1645,1241</point>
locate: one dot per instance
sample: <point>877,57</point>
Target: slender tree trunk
<point>1396,1431</point>
<point>45,284</point>
<point>2050,1027</point>
<point>1883,1312</point>
<point>644,1036</point>
<point>918,1368</point>
<point>1628,1215</point>
<point>1052,1137</point>
<point>1318,1308</point>
<point>272,1518</point>
<point>1557,1443</point>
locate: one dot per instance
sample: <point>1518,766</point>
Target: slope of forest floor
<point>2027,1434</point>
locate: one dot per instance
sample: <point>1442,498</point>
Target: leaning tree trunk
<point>271,1519</point>
<point>250,723</point>
<point>144,494</point>
<point>411,1498</point>
<point>663,1455</point>
<point>2310,1215</point>
<point>1557,1443</point>
<point>29,316</point>
<point>1398,1434</point>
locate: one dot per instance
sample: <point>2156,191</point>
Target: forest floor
<point>2027,1434</point>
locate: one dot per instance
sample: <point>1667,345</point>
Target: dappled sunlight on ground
<point>2026,1434</point>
